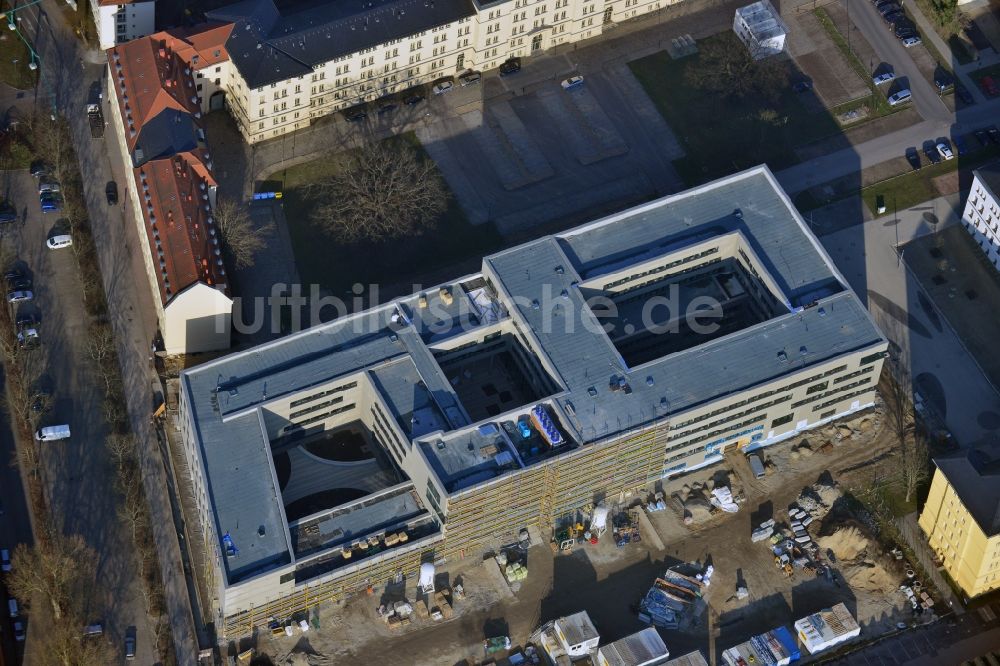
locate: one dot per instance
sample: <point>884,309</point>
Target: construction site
<point>781,544</point>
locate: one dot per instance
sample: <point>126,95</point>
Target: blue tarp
<point>788,642</point>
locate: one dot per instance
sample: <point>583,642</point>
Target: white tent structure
<point>760,27</point>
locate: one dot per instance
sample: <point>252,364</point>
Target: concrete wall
<point>198,319</point>
<point>981,218</point>
<point>971,559</point>
<point>114,25</point>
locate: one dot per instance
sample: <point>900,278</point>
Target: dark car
<point>413,99</point>
<point>512,66</point>
<point>893,17</point>
<point>932,153</point>
<point>913,157</point>
<point>13,274</point>
<point>903,28</point>
<point>26,320</point>
<point>964,94</point>
<point>355,116</point>
<point>39,169</point>
<point>20,284</point>
<point>943,80</point>
<point>7,213</point>
<point>994,134</point>
<point>386,108</point>
<point>889,8</point>
<point>961,146</point>
<point>982,137</point>
<point>111,191</point>
<point>802,86</point>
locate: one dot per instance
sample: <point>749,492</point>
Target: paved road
<point>68,72</point>
<point>867,257</point>
<point>925,98</point>
<point>15,526</point>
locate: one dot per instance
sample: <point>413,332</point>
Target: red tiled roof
<point>183,239</point>
<point>153,75</point>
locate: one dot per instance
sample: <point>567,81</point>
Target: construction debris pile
<point>513,564</point>
<point>698,502</point>
<point>626,528</point>
<point>674,599</point>
<point>772,648</point>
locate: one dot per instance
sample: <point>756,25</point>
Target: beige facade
<point>498,31</point>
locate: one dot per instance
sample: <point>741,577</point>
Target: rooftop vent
<point>803,351</point>
<point>738,214</point>
<point>783,357</point>
<point>559,270</point>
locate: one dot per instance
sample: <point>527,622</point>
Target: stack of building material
<point>670,598</point>
<point>722,498</point>
<point>763,531</point>
<point>827,628</point>
<point>772,648</point>
<point>644,648</point>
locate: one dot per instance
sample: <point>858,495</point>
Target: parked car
<point>932,153</point>
<point>48,186</point>
<point>5,560</point>
<point>111,192</point>
<point>62,240</point>
<point>572,83</point>
<point>961,146</point>
<point>18,631</point>
<point>470,79</point>
<point>913,157</point>
<point>943,80</point>
<point>28,338</point>
<point>19,296</point>
<point>512,66</point>
<point>7,213</point>
<point>26,319</point>
<point>20,284</point>
<point>802,86</point>
<point>13,274</point>
<point>994,134</point>
<point>442,87</point>
<point>355,116</point>
<point>903,27</point>
<point>884,77</point>
<point>910,40</point>
<point>50,202</point>
<point>963,94</point>
<point>900,97</point>
<point>388,107</point>
<point>887,8</point>
<point>989,86</point>
<point>130,644</point>
<point>39,169</point>
<point>982,137</point>
<point>413,99</point>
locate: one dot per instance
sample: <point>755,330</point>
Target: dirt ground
<point>608,582</point>
<point>819,58</point>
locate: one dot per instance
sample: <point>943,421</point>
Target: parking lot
<point>76,472</point>
<point>540,154</point>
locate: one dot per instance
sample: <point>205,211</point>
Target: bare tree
<point>914,459</point>
<point>728,67</point>
<point>61,643</point>
<point>383,191</point>
<point>240,238</point>
<point>50,569</point>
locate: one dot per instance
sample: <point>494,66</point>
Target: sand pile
<point>846,543</point>
<point>869,577</point>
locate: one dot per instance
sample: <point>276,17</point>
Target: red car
<point>989,86</point>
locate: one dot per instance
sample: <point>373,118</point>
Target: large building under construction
<point>573,368</point>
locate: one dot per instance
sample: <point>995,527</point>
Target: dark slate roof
<point>975,476</point>
<point>990,175</point>
<point>267,47</point>
<point>169,133</point>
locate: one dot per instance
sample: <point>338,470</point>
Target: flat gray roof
<point>538,286</point>
<point>975,476</point>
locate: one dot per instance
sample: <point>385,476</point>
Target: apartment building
<point>155,104</point>
<point>981,217</point>
<point>287,69</point>
<point>961,518</point>
<point>119,21</point>
<point>587,364</point>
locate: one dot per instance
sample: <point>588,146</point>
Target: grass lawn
<point>337,266</point>
<point>721,136</point>
<point>915,187</point>
<point>15,74</point>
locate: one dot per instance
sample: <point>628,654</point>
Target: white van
<point>62,240</point>
<point>52,433</point>
<point>12,607</point>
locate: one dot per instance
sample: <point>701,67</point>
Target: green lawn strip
<point>882,107</point>
<point>16,74</point>
<point>943,17</point>
<point>915,187</point>
<point>336,266</point>
<point>721,136</point>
